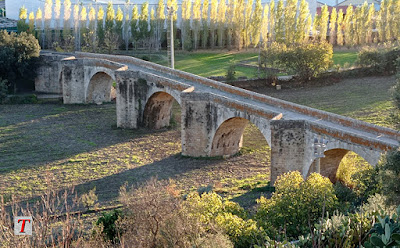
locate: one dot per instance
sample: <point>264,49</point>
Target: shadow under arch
<point>99,88</point>
<point>157,112</point>
<point>228,139</point>
<point>329,164</point>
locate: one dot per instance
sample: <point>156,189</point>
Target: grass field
<point>55,145</point>
<point>208,64</point>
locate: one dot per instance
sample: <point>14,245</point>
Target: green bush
<point>231,72</point>
<point>379,60</point>
<point>18,54</point>
<point>307,61</point>
<point>390,176</point>
<point>108,221</point>
<point>296,204</point>
<point>3,90</point>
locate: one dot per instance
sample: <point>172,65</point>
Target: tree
<point>221,23</point>
<point>239,23</point>
<point>230,26</point>
<point>31,29</point>
<point>290,20</point>
<point>39,25</point>
<point>144,22</point>
<point>47,21</point>
<point>57,17</point>
<point>348,27</point>
<point>324,22</point>
<point>110,17</point>
<point>302,29</point>
<point>381,22</point>
<point>126,25</point>
<point>134,25</point>
<point>186,14</point>
<point>196,22</point>
<point>256,25</point>
<point>67,19</point>
<point>174,5</point>
<point>388,21</point>
<point>339,33</point>
<point>160,23</point>
<point>76,27</point>
<point>213,21</point>
<point>21,24</point>
<point>369,24</point>
<point>272,20</point>
<point>332,26</point>
<point>280,22</point>
<point>204,21</point>
<point>100,26</point>
<point>153,24</point>
<point>247,23</point>
<point>264,25</point>
<point>91,40</point>
<point>83,27</point>
<point>119,18</point>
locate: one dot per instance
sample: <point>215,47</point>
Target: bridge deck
<point>379,135</point>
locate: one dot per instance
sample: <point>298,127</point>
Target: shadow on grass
<point>248,200</point>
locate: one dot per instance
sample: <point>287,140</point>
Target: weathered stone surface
<point>214,115</point>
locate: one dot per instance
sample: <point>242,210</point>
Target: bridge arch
<point>228,138</point>
<point>333,157</point>
<point>157,111</point>
<point>99,88</point>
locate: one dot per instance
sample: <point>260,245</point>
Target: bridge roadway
<point>382,137</point>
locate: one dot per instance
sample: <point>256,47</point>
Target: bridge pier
<point>198,124</point>
<point>127,103</point>
<point>291,147</point>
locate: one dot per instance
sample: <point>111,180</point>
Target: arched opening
<point>100,88</point>
<point>235,133</point>
<point>158,111</point>
<point>340,163</point>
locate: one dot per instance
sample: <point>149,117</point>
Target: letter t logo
<point>23,225</point>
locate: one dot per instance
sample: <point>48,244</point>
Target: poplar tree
<point>48,15</point>
<point>67,19</point>
<point>264,25</point>
<point>396,19</point>
<point>76,27</point>
<point>339,32</point>
<point>173,4</point>
<point>332,26</point>
<point>160,23</point>
<point>302,31</point>
<point>39,25</point>
<point>196,22</point>
<point>347,26</point>
<point>134,25</point>
<point>280,22</point>
<point>185,27</point>
<point>31,23</point>
<point>290,20</point>
<point>57,18</point>
<point>221,23</point>
<point>119,19</point>
<point>230,26</point>
<point>110,16</point>
<point>144,22</point>
<point>91,35</point>
<point>362,24</point>
<point>84,31</point>
<point>213,21</point>
<point>153,24</point>
<point>380,24</point>
<point>316,26</point>
<point>388,20</point>
<point>324,22</point>
<point>369,25</point>
<point>127,20</point>
<point>256,23</point>
<point>100,26</point>
<point>247,23</point>
<point>239,23</point>
<point>272,20</point>
<point>204,21</point>
<point>21,24</point>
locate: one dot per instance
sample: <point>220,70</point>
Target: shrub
<point>296,204</point>
<point>3,90</point>
<point>305,60</point>
<point>89,199</point>
<point>17,59</point>
<point>379,60</point>
<point>231,72</point>
<point>108,221</point>
<point>390,175</point>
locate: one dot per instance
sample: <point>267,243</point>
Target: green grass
<point>343,57</point>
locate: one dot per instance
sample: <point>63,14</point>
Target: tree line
<point>209,24</point>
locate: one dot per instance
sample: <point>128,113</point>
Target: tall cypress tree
<point>339,32</point>
<point>347,26</point>
<point>290,21</point>
<point>324,22</point>
<point>302,31</point>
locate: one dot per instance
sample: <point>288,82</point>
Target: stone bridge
<point>214,115</point>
